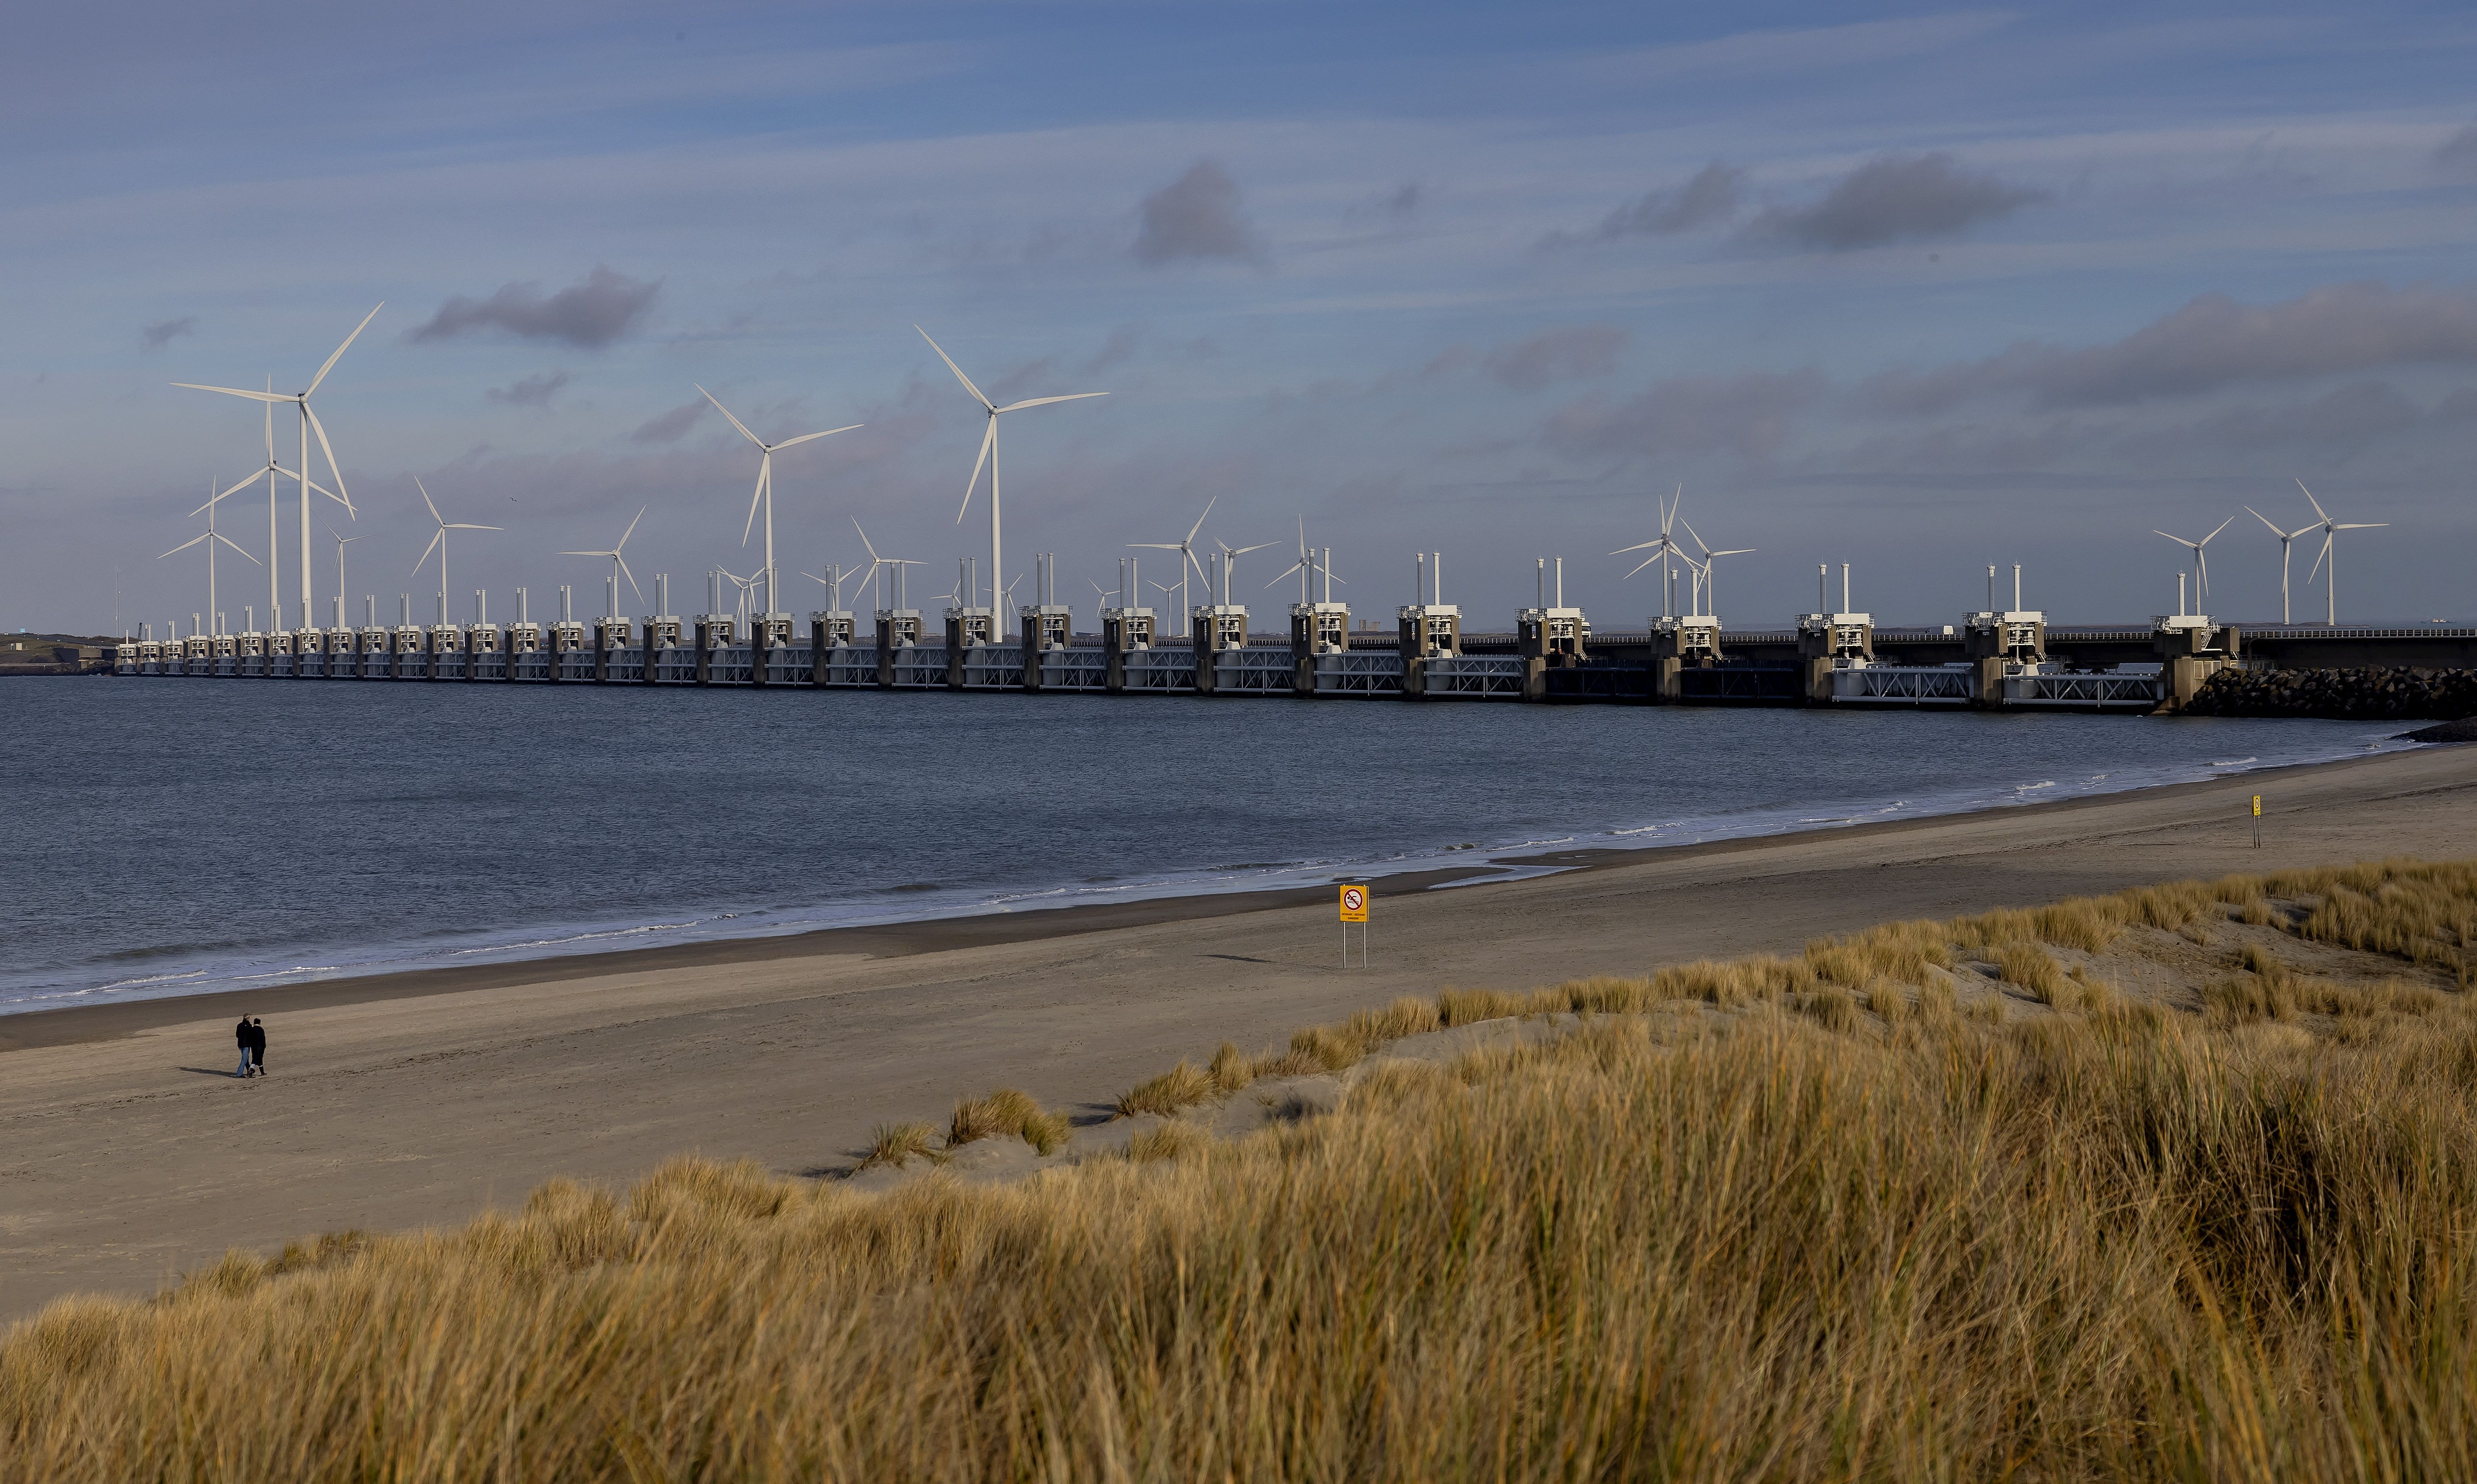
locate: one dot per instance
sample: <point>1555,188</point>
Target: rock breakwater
<point>2385,693</point>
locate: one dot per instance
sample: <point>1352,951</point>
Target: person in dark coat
<point>240,1037</point>
<point>257,1044</point>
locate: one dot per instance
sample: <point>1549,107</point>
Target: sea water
<point>177,836</point>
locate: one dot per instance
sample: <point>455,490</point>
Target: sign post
<point>1354,910</point>
<point>2257,822</point>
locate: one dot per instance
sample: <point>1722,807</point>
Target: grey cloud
<point>2212,341</point>
<point>670,427</point>
<point>590,314</point>
<point>1196,216</point>
<point>1560,353</point>
<point>1894,199</point>
<point>534,391</point>
<point>1710,196</point>
<point>1405,202</point>
<point>1119,347</point>
<point>1748,416</point>
<point>162,333</point>
<point>2457,155</point>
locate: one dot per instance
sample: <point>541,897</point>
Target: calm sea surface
<point>167,837</point>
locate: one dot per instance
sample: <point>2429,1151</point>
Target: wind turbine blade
<point>1742,551</point>
<point>227,541</point>
<point>630,531</point>
<point>2365,526</point>
<point>957,370</point>
<point>585,553</point>
<point>764,466</point>
<point>2266,520</point>
<point>236,391</point>
<point>331,494</point>
<point>1199,520</point>
<point>806,436</point>
<point>1286,577</point>
<point>989,437</point>
<point>1698,539</point>
<point>1646,561</point>
<point>340,349</point>
<point>1242,551</point>
<point>735,422</point>
<point>1042,402</point>
<point>441,535</point>
<point>2179,540</point>
<point>425,499</point>
<point>235,489</point>
<point>461,526</point>
<point>1153,546</point>
<point>2316,504</point>
<point>1640,545</point>
<point>2317,558</point>
<point>864,536</point>
<point>2214,531</point>
<point>183,547</point>
<point>630,576</point>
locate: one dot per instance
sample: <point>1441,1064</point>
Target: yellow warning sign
<point>2257,805</point>
<point>1354,903</point>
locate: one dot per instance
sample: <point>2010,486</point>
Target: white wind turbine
<point>764,491</point>
<point>1230,556</point>
<point>876,564</point>
<point>1185,546</point>
<point>308,424</point>
<point>990,455</point>
<point>2285,538</point>
<point>438,542</point>
<point>2201,558</point>
<point>619,563</point>
<point>833,580</point>
<point>1663,549</point>
<point>2331,529</point>
<point>211,538</point>
<point>1708,599</point>
<point>1307,569</point>
<point>271,471</point>
<point>342,541</point>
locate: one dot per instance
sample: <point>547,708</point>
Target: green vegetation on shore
<point>2180,1183</point>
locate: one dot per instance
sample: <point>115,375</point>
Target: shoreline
<point>404,1102</point>
<point>75,1024</point>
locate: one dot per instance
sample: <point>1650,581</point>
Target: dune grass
<point>1776,1230</point>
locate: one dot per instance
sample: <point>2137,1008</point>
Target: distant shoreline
<point>70,1024</point>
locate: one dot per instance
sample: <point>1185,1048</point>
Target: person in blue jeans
<point>241,1035</point>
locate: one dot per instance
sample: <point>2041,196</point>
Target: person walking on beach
<point>241,1034</point>
<point>257,1044</point>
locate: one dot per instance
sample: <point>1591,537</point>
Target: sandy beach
<point>130,1154</point>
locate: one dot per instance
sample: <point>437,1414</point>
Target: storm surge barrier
<point>2010,660</point>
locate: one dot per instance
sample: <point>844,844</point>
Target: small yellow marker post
<point>1354,910</point>
<point>2257,822</point>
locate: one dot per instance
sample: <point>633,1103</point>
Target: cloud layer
<point>590,314</point>
<point>1896,199</point>
<point>1198,216</point>
<point>2213,341</point>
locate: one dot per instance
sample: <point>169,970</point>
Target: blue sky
<point>1918,291</point>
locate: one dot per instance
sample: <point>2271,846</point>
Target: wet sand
<point>128,1153</point>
